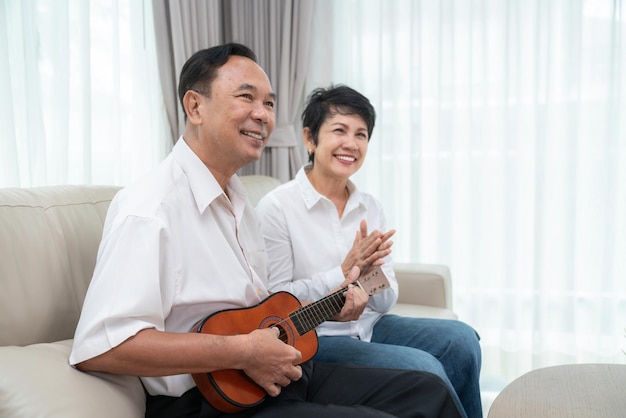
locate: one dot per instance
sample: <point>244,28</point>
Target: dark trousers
<point>331,390</point>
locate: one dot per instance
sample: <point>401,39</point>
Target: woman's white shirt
<point>306,243</point>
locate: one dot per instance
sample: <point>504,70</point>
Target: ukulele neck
<point>310,316</point>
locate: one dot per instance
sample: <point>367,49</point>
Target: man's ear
<point>191,103</point>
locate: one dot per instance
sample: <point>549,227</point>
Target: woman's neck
<point>335,190</point>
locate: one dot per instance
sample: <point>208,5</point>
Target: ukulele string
<point>308,313</point>
<point>316,313</point>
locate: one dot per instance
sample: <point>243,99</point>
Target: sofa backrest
<point>49,238</point>
<point>257,186</point>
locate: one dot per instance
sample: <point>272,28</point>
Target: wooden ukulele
<point>232,390</point>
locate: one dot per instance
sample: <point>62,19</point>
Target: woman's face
<point>341,145</point>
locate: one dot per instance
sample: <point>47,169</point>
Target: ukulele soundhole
<point>286,332</point>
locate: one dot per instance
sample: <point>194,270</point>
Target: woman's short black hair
<point>336,99</point>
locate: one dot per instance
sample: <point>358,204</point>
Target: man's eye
<point>246,96</point>
<point>270,104</point>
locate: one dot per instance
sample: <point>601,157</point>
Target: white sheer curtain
<point>81,101</point>
<point>500,150</point>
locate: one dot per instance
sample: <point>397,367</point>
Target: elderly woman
<point>319,226</point>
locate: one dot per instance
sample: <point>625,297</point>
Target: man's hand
<point>272,362</point>
<point>367,250</point>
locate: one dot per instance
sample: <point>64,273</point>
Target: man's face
<point>238,117</point>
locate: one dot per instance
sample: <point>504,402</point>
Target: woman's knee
<point>465,339</point>
<point>413,359</point>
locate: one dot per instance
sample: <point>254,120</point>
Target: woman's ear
<point>308,140</point>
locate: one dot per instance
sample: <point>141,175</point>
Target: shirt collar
<point>203,185</point>
<point>312,196</point>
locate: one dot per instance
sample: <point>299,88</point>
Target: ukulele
<point>232,390</point>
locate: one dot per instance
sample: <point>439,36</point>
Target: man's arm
<point>260,354</point>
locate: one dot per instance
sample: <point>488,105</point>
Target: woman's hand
<point>367,250</point>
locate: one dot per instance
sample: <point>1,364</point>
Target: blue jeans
<point>447,348</point>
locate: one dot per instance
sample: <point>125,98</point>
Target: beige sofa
<point>48,242</point>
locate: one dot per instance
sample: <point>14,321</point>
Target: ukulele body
<point>232,390</point>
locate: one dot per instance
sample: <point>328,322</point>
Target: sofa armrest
<point>37,381</point>
<point>424,284</point>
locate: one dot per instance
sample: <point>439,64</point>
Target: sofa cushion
<point>37,381</point>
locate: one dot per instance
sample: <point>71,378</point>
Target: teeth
<point>252,134</point>
<point>344,158</point>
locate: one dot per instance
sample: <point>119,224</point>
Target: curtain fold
<point>500,150</point>
<point>182,28</point>
<point>279,33</point>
